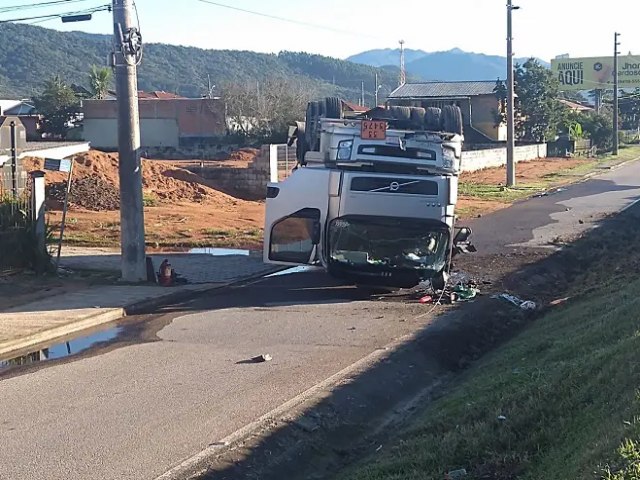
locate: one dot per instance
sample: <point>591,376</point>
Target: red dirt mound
<point>163,182</point>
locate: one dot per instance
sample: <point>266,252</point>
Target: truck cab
<point>372,199</point>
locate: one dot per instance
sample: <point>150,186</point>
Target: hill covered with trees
<point>30,55</point>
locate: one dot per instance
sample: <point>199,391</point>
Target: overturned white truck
<point>372,197</point>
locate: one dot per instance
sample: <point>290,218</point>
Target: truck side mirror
<point>462,236</point>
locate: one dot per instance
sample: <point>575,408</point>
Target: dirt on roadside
<point>526,172</point>
<point>182,209</point>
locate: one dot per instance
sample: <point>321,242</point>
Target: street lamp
<point>511,167</point>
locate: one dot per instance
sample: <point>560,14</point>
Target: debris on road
<point>456,474</point>
<point>558,301</point>
<point>464,293</point>
<point>262,358</point>
<point>518,302</point>
<point>459,288</point>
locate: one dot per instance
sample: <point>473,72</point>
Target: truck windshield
<point>388,243</point>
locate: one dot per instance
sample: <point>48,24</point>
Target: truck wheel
<point>432,118</point>
<point>417,117</point>
<point>401,113</point>
<point>301,145</point>
<point>322,109</point>
<point>333,107</point>
<point>311,125</point>
<point>452,119</point>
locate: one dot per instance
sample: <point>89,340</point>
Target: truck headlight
<point>448,158</point>
<point>344,150</point>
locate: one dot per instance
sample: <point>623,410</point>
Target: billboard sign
<point>596,72</point>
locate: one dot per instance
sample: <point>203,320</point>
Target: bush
<point>18,241</point>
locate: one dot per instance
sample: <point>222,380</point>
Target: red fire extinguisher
<point>165,273</point>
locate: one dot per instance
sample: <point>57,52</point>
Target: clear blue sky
<point>542,28</point>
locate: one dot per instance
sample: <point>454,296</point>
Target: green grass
<point>149,199</point>
<point>567,386</point>
<point>500,193</point>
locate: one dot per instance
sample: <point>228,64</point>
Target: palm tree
<point>99,81</point>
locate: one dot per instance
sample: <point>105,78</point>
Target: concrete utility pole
<point>362,93</point>
<point>377,87</point>
<point>403,72</point>
<point>616,135</point>
<point>511,142</point>
<point>128,54</point>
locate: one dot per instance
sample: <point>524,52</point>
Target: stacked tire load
<point>447,119</point>
<point>330,107</point>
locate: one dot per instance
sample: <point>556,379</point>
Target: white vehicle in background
<point>372,199</point>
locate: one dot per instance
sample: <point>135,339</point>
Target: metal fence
<point>282,159</point>
<point>15,215</point>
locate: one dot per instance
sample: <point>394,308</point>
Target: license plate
<point>373,130</point>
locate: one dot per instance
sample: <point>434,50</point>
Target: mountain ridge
<point>447,65</point>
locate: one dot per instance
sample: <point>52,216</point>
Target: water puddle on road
<point>220,252</point>
<point>62,349</point>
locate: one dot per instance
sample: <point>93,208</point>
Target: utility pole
<point>511,142</point>
<point>362,93</point>
<point>616,134</point>
<point>598,99</point>
<point>377,87</point>
<point>14,160</point>
<point>127,56</point>
<point>403,73</point>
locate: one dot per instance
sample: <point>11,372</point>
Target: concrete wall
<point>248,183</point>
<point>103,132</point>
<point>497,157</point>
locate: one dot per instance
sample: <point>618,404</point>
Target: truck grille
<point>394,185</point>
<point>397,152</point>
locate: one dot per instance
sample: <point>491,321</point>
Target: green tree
<point>630,110</point>
<point>539,114</point>
<point>99,81</point>
<point>59,107</point>
<point>500,91</point>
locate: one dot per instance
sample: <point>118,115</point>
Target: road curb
<point>49,336</point>
<point>192,466</point>
<point>611,169</point>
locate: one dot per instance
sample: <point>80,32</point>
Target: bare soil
<point>182,209</point>
<point>526,172</point>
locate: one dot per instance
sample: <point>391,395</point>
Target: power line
<point>289,20</point>
<point>15,8</point>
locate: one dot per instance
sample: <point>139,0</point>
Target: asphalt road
<point>140,407</point>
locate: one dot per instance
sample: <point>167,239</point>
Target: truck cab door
<point>296,213</point>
